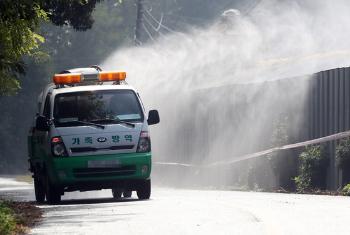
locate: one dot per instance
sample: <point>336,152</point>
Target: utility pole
<point>139,22</point>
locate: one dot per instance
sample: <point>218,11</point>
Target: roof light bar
<point>67,78</point>
<point>112,76</point>
<point>73,78</point>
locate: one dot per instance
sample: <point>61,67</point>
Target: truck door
<point>41,142</point>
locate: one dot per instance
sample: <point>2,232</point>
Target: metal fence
<point>308,108</point>
<point>329,113</point>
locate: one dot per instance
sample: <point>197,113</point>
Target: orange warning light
<point>112,76</point>
<point>67,78</point>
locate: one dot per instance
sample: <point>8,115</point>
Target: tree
<point>19,22</point>
<point>76,13</point>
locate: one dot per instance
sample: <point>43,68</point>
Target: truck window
<point>97,106</point>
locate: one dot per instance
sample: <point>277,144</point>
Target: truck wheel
<point>39,189</point>
<point>117,193</point>
<point>144,190</point>
<point>53,195</point>
<point>127,193</point>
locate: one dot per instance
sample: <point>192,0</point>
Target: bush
<point>346,190</point>
<point>312,166</point>
<point>343,153</point>
<point>7,220</point>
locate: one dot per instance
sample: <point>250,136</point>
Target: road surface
<point>179,211</point>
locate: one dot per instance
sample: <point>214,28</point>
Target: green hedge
<point>312,169</point>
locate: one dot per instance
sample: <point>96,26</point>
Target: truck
<point>90,133</point>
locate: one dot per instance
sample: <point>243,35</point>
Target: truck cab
<point>90,133</point>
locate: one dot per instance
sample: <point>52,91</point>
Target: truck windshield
<point>112,106</point>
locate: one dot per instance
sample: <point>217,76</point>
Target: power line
<point>161,20</point>
<point>156,29</point>
<point>148,33</point>
<point>160,24</point>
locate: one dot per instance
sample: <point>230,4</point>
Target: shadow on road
<point>91,201</point>
<point>77,214</point>
<point>96,201</point>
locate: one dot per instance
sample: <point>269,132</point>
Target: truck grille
<point>91,149</point>
<point>104,172</point>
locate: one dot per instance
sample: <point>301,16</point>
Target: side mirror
<point>153,117</point>
<point>41,123</point>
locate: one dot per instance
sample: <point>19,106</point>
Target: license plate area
<point>104,164</point>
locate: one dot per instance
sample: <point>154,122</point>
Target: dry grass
<point>24,178</point>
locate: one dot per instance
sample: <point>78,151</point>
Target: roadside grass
<point>17,217</point>
<point>7,219</point>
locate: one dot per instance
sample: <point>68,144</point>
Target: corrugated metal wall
<point>329,113</point>
<point>217,124</point>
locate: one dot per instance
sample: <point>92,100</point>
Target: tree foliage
<point>76,13</point>
<point>19,22</point>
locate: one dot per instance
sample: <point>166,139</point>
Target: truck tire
<point>127,193</point>
<point>117,193</point>
<point>39,189</point>
<point>144,190</point>
<point>53,195</point>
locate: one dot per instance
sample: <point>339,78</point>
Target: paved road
<point>175,211</point>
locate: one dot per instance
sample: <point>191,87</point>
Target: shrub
<point>312,166</point>
<point>346,190</point>
<point>343,153</point>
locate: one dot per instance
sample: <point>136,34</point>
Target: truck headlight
<point>144,143</point>
<point>57,147</point>
<point>144,169</point>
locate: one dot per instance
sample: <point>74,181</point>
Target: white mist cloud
<point>177,73</point>
<point>277,39</point>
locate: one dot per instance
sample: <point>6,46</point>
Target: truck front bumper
<point>99,171</point>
